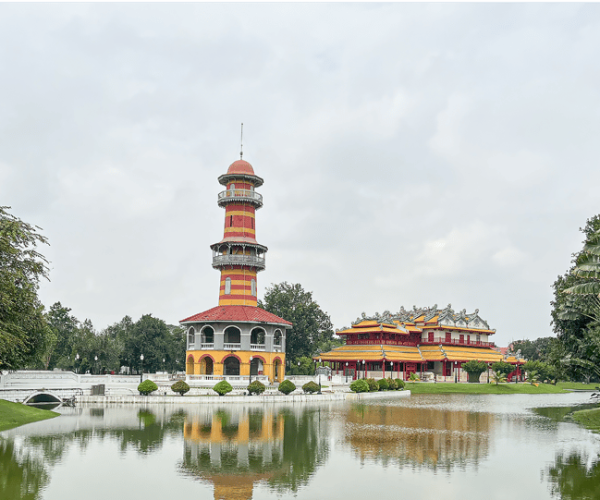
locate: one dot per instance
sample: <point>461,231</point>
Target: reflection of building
<point>418,436</point>
<point>236,338</point>
<point>430,340</point>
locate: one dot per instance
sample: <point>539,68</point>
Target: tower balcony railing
<point>238,260</point>
<point>246,195</point>
<point>257,347</point>
<point>232,347</point>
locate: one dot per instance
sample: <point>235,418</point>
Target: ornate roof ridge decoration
<point>431,313</point>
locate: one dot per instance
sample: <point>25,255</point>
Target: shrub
<point>146,387</point>
<point>287,386</point>
<point>503,368</point>
<point>256,387</point>
<point>383,385</point>
<point>222,388</point>
<point>392,384</point>
<point>474,368</point>
<point>373,385</point>
<point>359,386</point>
<point>310,388</point>
<point>413,377</point>
<point>180,387</point>
<point>400,384</point>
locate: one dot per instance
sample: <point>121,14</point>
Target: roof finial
<point>242,143</point>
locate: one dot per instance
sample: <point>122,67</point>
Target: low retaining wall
<point>233,399</point>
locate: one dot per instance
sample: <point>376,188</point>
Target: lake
<point>425,446</point>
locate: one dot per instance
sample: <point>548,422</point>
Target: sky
<point>413,154</point>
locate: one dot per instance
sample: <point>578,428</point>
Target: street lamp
<point>142,368</point>
<point>346,371</point>
<point>250,371</point>
<point>391,369</point>
<point>319,379</point>
<point>96,360</point>
<point>163,364</point>
<point>364,372</point>
<point>77,362</point>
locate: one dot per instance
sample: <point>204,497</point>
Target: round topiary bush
<point>310,388</point>
<point>359,386</point>
<point>373,385</point>
<point>287,386</point>
<point>180,387</point>
<point>222,388</point>
<point>256,387</point>
<point>392,384</point>
<point>383,384</point>
<point>147,387</point>
<point>400,384</point>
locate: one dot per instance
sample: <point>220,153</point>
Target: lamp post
<point>96,363</point>
<point>391,369</point>
<point>77,362</point>
<point>346,371</point>
<point>364,369</point>
<point>319,379</point>
<point>250,371</point>
<point>298,367</point>
<point>141,368</point>
<point>163,364</point>
<point>456,372</point>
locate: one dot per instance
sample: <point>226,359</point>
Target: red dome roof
<point>240,167</point>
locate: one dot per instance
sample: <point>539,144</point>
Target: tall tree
<point>576,309</point>
<point>23,328</point>
<point>311,325</point>
<point>63,328</point>
<point>149,337</point>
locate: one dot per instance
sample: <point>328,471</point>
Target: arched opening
<point>256,367</point>
<point>231,366</point>
<point>208,335</point>
<point>276,370</point>
<point>227,286</point>
<point>191,336</point>
<point>277,337</point>
<point>253,287</point>
<point>189,366</point>
<point>206,366</point>
<point>257,337</point>
<point>232,335</point>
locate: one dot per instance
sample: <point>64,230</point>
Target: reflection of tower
<point>233,451</point>
<point>237,338</point>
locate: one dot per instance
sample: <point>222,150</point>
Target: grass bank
<point>588,418</point>
<point>16,414</point>
<point>450,388</point>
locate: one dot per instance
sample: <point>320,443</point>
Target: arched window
<point>232,335</point>
<point>208,335</point>
<point>277,337</point>
<point>257,336</point>
<point>227,286</point>
<point>191,335</point>
<point>253,287</point>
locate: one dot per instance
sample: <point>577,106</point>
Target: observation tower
<point>237,340</point>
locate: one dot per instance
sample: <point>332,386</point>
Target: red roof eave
<point>238,314</point>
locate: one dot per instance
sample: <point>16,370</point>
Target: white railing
<point>232,347</point>
<point>207,346</point>
<point>257,347</point>
<point>248,194</point>
<point>234,259</point>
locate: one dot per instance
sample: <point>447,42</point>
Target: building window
<point>227,286</point>
<point>277,337</point>
<point>191,335</point>
<point>253,286</point>
<point>230,220</point>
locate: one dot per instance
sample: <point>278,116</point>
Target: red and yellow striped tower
<point>238,255</point>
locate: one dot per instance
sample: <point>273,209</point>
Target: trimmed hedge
<point>256,387</point>
<point>383,384</point>
<point>180,387</point>
<point>287,386</point>
<point>310,388</point>
<point>392,384</point>
<point>359,385</point>
<point>147,387</point>
<point>400,383</point>
<point>373,385</point>
<point>222,388</point>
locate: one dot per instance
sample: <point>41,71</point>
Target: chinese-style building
<point>237,339</point>
<point>430,342</point>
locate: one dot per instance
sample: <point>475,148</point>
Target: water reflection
<point>418,437</point>
<point>575,476</point>
<point>235,448</point>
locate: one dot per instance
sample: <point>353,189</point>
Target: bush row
<point>372,385</point>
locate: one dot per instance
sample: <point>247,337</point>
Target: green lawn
<point>450,388</point>
<point>588,418</point>
<point>578,385</point>
<point>16,414</point>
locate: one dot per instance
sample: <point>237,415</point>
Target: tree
<point>474,369</point>
<point>576,310</point>
<point>311,326</point>
<point>534,350</point>
<point>151,337</point>
<point>63,328</point>
<point>23,328</point>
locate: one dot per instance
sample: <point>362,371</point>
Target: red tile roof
<point>247,314</point>
<point>240,167</point>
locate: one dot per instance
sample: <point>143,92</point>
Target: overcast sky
<point>413,154</point>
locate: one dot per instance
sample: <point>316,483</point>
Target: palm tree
<point>499,378</point>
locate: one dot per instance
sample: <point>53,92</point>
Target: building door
<point>461,339</point>
<point>409,368</point>
<point>448,337</point>
<point>430,337</point>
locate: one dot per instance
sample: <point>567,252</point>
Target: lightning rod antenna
<point>242,142</point>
